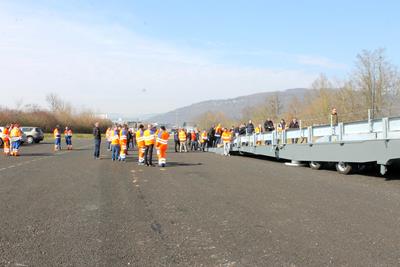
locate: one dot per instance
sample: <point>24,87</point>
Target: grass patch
<point>49,136</point>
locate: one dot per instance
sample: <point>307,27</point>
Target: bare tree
<point>377,80</point>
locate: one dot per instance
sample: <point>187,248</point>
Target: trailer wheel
<point>315,165</point>
<point>344,167</point>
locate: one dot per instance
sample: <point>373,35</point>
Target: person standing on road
<point>226,140</point>
<point>6,140</point>
<point>115,144</point>
<point>176,139</point>
<point>57,138</point>
<point>182,140</point>
<point>68,137</point>
<point>140,144</point>
<point>204,140</point>
<point>123,143</point>
<point>162,146</point>
<point>149,141</point>
<point>97,140</point>
<point>15,137</point>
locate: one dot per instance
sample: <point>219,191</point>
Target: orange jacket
<point>5,135</point>
<point>182,136</point>
<point>68,132</point>
<point>226,137</point>
<point>115,137</point>
<point>149,137</point>
<point>56,133</point>
<point>204,137</point>
<point>123,137</point>
<point>162,139</point>
<point>140,138</point>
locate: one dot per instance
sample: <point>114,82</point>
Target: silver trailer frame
<point>371,141</point>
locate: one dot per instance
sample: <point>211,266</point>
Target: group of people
<point>120,136</point>
<point>201,140</point>
<point>12,139</point>
<point>190,139</point>
<point>57,138</point>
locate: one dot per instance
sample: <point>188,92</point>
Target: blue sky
<point>165,54</point>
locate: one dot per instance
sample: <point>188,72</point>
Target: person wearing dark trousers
<point>176,140</point>
<point>97,140</point>
<point>149,141</point>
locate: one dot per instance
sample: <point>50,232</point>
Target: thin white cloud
<point>107,67</point>
<point>322,62</point>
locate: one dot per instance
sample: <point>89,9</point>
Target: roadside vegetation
<point>373,84</point>
<point>59,112</point>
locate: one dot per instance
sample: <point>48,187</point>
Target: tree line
<point>373,84</point>
<point>60,113</point>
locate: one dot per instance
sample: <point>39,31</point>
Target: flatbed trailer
<point>345,144</point>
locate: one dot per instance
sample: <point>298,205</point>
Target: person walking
<point>217,136</point>
<point>68,137</point>
<point>97,140</point>
<point>149,141</point>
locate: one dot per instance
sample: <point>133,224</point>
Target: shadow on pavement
<point>171,164</point>
<point>37,154</point>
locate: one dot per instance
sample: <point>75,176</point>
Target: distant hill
<point>231,107</point>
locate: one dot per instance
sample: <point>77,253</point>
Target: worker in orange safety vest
<point>149,142</point>
<point>5,135</point>
<point>68,137</point>
<point>204,140</point>
<point>123,143</point>
<point>162,146</point>
<point>15,138</point>
<point>226,140</point>
<point>182,140</point>
<point>140,144</point>
<point>57,138</point>
<point>115,146</point>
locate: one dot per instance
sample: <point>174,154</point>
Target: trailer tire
<point>315,165</point>
<point>344,167</point>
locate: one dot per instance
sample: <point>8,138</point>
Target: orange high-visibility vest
<point>68,132</point>
<point>115,138</point>
<point>56,133</point>
<point>149,137</point>
<point>5,135</point>
<point>182,136</point>
<point>162,139</point>
<point>123,137</point>
<point>204,137</point>
<point>226,137</point>
<point>140,138</point>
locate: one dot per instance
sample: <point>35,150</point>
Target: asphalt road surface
<point>67,209</point>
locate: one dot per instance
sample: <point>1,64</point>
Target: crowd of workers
<point>120,139</point>
<point>12,138</point>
